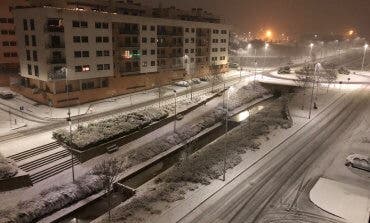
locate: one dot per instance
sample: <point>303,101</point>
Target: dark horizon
<point>294,17</point>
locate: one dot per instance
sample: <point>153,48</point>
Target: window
<point>76,39</point>
<point>152,52</point>
<point>216,31</point>
<point>26,40</point>
<point>106,66</point>
<point>144,52</point>
<point>83,24</point>
<point>28,55</point>
<point>186,50</point>
<point>88,85</point>
<point>152,40</point>
<point>192,40</point>
<point>86,68</point>
<point>75,24</point>
<point>186,30</point>
<point>3,20</point>
<point>105,25</point>
<point>5,43</point>
<point>11,32</point>
<point>10,20</point>
<point>4,32</point>
<point>144,40</point>
<point>36,68</point>
<point>32,24</point>
<point>34,55</point>
<point>105,39</point>
<point>152,28</point>
<point>78,68</point>
<point>85,54</point>
<point>193,30</point>
<point>214,49</point>
<point>14,54</point>
<point>192,50</point>
<point>29,68</point>
<point>77,54</point>
<point>224,32</point>
<point>144,64</point>
<point>99,53</point>
<point>12,43</point>
<point>99,67</point>
<point>25,26</point>
<point>106,53</point>
<point>98,25</point>
<point>33,40</point>
<point>84,39</point>
<point>152,63</point>
<point>99,39</point>
<point>143,27</point>
<point>186,40</point>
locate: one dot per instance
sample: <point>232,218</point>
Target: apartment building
<point>9,63</point>
<point>94,54</point>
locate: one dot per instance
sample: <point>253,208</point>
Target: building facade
<point>9,62</point>
<point>77,55</point>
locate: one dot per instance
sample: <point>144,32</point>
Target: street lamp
<point>317,69</point>
<point>69,120</point>
<point>363,58</point>
<point>174,124</point>
<point>229,91</point>
<point>311,47</point>
<point>266,48</point>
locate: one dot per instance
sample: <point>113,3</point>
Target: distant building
<point>111,50</point>
<point>9,63</point>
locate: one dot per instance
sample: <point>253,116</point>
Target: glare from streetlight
<point>249,45</point>
<point>268,34</point>
<point>366,46</point>
<point>311,45</point>
<point>267,45</point>
<point>351,32</point>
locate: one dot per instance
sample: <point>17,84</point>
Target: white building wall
<point>146,60</point>
<point>189,48</point>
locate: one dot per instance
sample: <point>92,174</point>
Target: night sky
<point>286,16</point>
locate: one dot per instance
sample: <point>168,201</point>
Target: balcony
<point>129,45</point>
<point>57,60</point>
<point>55,46</point>
<point>128,31</point>
<point>54,28</point>
<point>55,75</point>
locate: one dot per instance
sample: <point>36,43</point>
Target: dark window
<point>32,24</point>
<point>84,39</point>
<point>105,25</point>
<point>193,30</point>
<point>26,40</point>
<point>12,43</point>
<point>33,40</point>
<point>10,20</point>
<point>29,67</point>
<point>76,39</point>
<point>3,20</point>
<point>144,40</point>
<point>106,53</point>
<point>85,54</point>
<point>99,67</point>
<point>106,66</point>
<point>5,43</point>
<point>14,54</point>
<point>99,39</point>
<point>144,27</point>
<point>36,70</point>
<point>25,26</point>
<point>152,63</point>
<point>98,25</point>
<point>28,54</point>
<point>75,24</point>
<point>152,52</point>
<point>77,54</point>
<point>144,52</point>
<point>105,39</point>
<point>104,83</point>
<point>186,30</point>
<point>152,28</point>
<point>11,32</point>
<point>78,68</point>
<point>4,32</point>
<point>34,54</point>
<point>99,53</point>
<point>83,24</point>
<point>152,40</point>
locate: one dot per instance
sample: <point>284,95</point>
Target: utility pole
<point>363,58</point>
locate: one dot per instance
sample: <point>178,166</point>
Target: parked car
<point>6,95</point>
<point>358,161</point>
<point>234,65</point>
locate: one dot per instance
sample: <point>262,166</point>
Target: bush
<point>101,131</point>
<point>284,70</point>
<point>8,168</point>
<point>343,70</point>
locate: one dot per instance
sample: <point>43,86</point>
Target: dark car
<point>6,95</point>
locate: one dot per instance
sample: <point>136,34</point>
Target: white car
<point>358,161</point>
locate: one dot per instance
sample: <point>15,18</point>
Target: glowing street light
<point>268,34</point>
<point>363,58</point>
<point>351,32</point>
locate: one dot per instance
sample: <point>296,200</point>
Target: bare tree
<point>305,76</point>
<point>330,76</point>
<point>108,172</point>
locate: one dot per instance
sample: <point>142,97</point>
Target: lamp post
<point>317,67</point>
<point>310,54</point>
<point>174,124</point>
<point>363,58</point>
<point>264,63</point>
<point>69,120</point>
<point>226,130</point>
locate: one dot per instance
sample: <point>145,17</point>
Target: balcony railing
<point>55,46</point>
<point>53,28</point>
<point>57,61</point>
<point>169,33</point>
<point>56,75</point>
<point>128,31</point>
<point>129,45</point>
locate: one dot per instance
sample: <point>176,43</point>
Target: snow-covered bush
<point>8,168</point>
<point>53,199</point>
<point>182,84</point>
<point>105,130</point>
